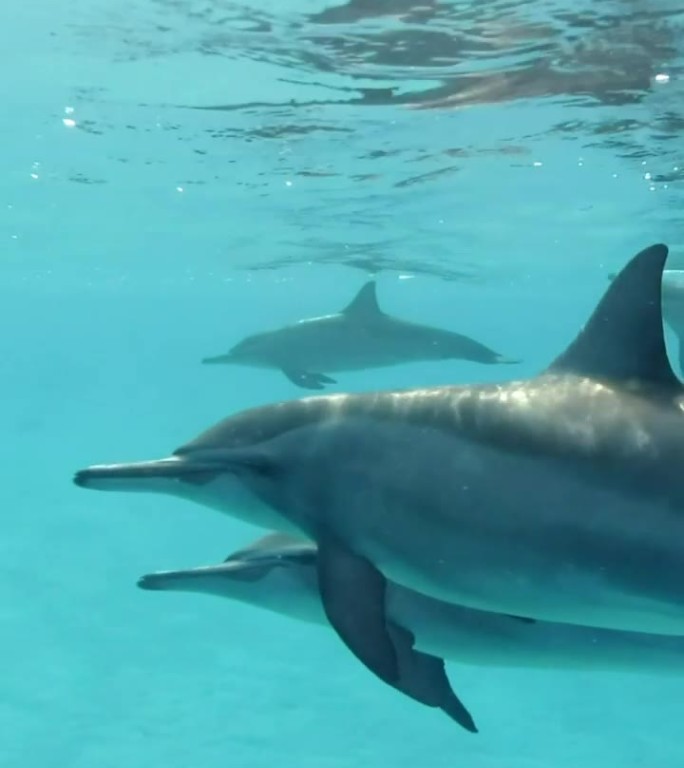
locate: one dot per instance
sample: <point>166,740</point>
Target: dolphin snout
<point>217,360</point>
<point>151,581</point>
<point>167,580</point>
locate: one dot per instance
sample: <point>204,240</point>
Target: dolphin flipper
<point>423,678</point>
<point>307,379</point>
<point>353,597</point>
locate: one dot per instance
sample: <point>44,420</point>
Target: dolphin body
<point>278,573</point>
<point>361,336</point>
<point>252,575</point>
<point>558,498</point>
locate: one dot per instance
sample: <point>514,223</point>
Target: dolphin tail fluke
<point>152,476</point>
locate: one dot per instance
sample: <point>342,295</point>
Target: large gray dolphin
<point>360,336</point>
<point>278,573</point>
<point>559,497</point>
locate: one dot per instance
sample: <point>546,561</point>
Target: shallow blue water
<point>141,234</point>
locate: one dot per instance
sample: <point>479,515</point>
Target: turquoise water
<point>177,175</point>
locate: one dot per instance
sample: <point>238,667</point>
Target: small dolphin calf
<point>279,574</point>
<point>558,498</point>
<point>361,336</point>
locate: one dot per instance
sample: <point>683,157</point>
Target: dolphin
<point>279,573</point>
<point>360,336</point>
<point>673,308</point>
<point>559,497</point>
<point>253,576</point>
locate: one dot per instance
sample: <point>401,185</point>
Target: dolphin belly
<point>496,531</point>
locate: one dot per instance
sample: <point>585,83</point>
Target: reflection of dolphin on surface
<point>673,308</point>
<point>361,336</point>
<point>558,498</point>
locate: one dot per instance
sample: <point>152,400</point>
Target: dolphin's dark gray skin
<point>254,572</point>
<point>673,308</point>
<point>558,498</point>
<point>278,573</point>
<point>361,336</point>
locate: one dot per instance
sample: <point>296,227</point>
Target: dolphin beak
<point>154,581</point>
<point>142,475</point>
<point>218,360</point>
<point>201,579</point>
<point>173,580</point>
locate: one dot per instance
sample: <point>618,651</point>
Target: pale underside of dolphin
<point>359,337</point>
<point>558,498</point>
<point>278,573</point>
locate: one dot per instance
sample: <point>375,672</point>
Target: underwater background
<point>177,175</point>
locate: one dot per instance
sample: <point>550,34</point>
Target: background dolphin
<point>361,336</point>
<point>560,497</point>
<point>278,573</point>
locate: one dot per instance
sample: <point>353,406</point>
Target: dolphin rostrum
<point>559,497</point>
<point>278,573</point>
<point>360,336</point>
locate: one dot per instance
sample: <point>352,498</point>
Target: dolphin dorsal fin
<point>624,340</point>
<point>271,541</point>
<point>365,304</point>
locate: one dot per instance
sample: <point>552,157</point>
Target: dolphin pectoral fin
<point>423,677</point>
<point>353,597</point>
<point>308,380</point>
